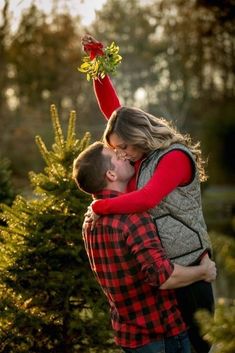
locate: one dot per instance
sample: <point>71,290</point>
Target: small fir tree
<point>50,302</point>
<point>220,329</point>
<point>7,192</point>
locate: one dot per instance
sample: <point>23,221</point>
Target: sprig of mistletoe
<point>102,64</point>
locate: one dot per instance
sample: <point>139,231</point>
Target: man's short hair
<point>90,167</point>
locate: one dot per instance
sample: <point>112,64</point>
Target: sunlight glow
<point>84,8</point>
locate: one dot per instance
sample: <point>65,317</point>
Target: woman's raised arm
<point>104,90</point>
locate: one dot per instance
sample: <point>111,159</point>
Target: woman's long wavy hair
<point>147,132</point>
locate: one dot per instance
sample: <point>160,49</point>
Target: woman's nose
<point>121,154</point>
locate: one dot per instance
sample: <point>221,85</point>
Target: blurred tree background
<point>178,62</point>
<point>178,57</point>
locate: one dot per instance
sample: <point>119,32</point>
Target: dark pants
<point>176,344</point>
<point>198,295</point>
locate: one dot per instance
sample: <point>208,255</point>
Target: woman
<point>169,169</point>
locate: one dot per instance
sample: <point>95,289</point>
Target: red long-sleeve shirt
<point>106,96</point>
<point>174,169</point>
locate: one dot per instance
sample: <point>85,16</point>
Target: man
<point>130,264</point>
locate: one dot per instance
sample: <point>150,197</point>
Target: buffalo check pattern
<point>130,264</point>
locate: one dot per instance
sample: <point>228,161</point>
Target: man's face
<point>123,169</point>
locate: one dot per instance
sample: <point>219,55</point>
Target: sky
<point>84,8</point>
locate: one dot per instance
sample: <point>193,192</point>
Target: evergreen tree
<point>7,192</point>
<point>220,329</point>
<point>50,302</point>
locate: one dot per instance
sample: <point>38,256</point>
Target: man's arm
<point>183,276</point>
<point>157,269</point>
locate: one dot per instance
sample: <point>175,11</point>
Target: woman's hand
<point>88,39</point>
<point>91,216</point>
<point>92,46</point>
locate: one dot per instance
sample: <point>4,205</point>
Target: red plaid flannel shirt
<point>130,264</point>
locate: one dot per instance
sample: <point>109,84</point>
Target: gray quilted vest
<point>178,217</point>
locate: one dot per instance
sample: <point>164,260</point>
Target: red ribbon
<point>95,49</point>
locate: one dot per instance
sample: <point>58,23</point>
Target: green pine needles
<point>7,192</point>
<point>101,65</point>
<point>50,302</point>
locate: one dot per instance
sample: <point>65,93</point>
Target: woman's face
<point>125,150</point>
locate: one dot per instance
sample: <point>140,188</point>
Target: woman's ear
<point>111,175</point>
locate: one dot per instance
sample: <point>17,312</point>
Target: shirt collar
<point>105,193</point>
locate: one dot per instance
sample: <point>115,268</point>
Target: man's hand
<point>209,268</point>
<point>184,275</point>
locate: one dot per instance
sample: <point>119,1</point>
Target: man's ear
<point>111,175</point>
